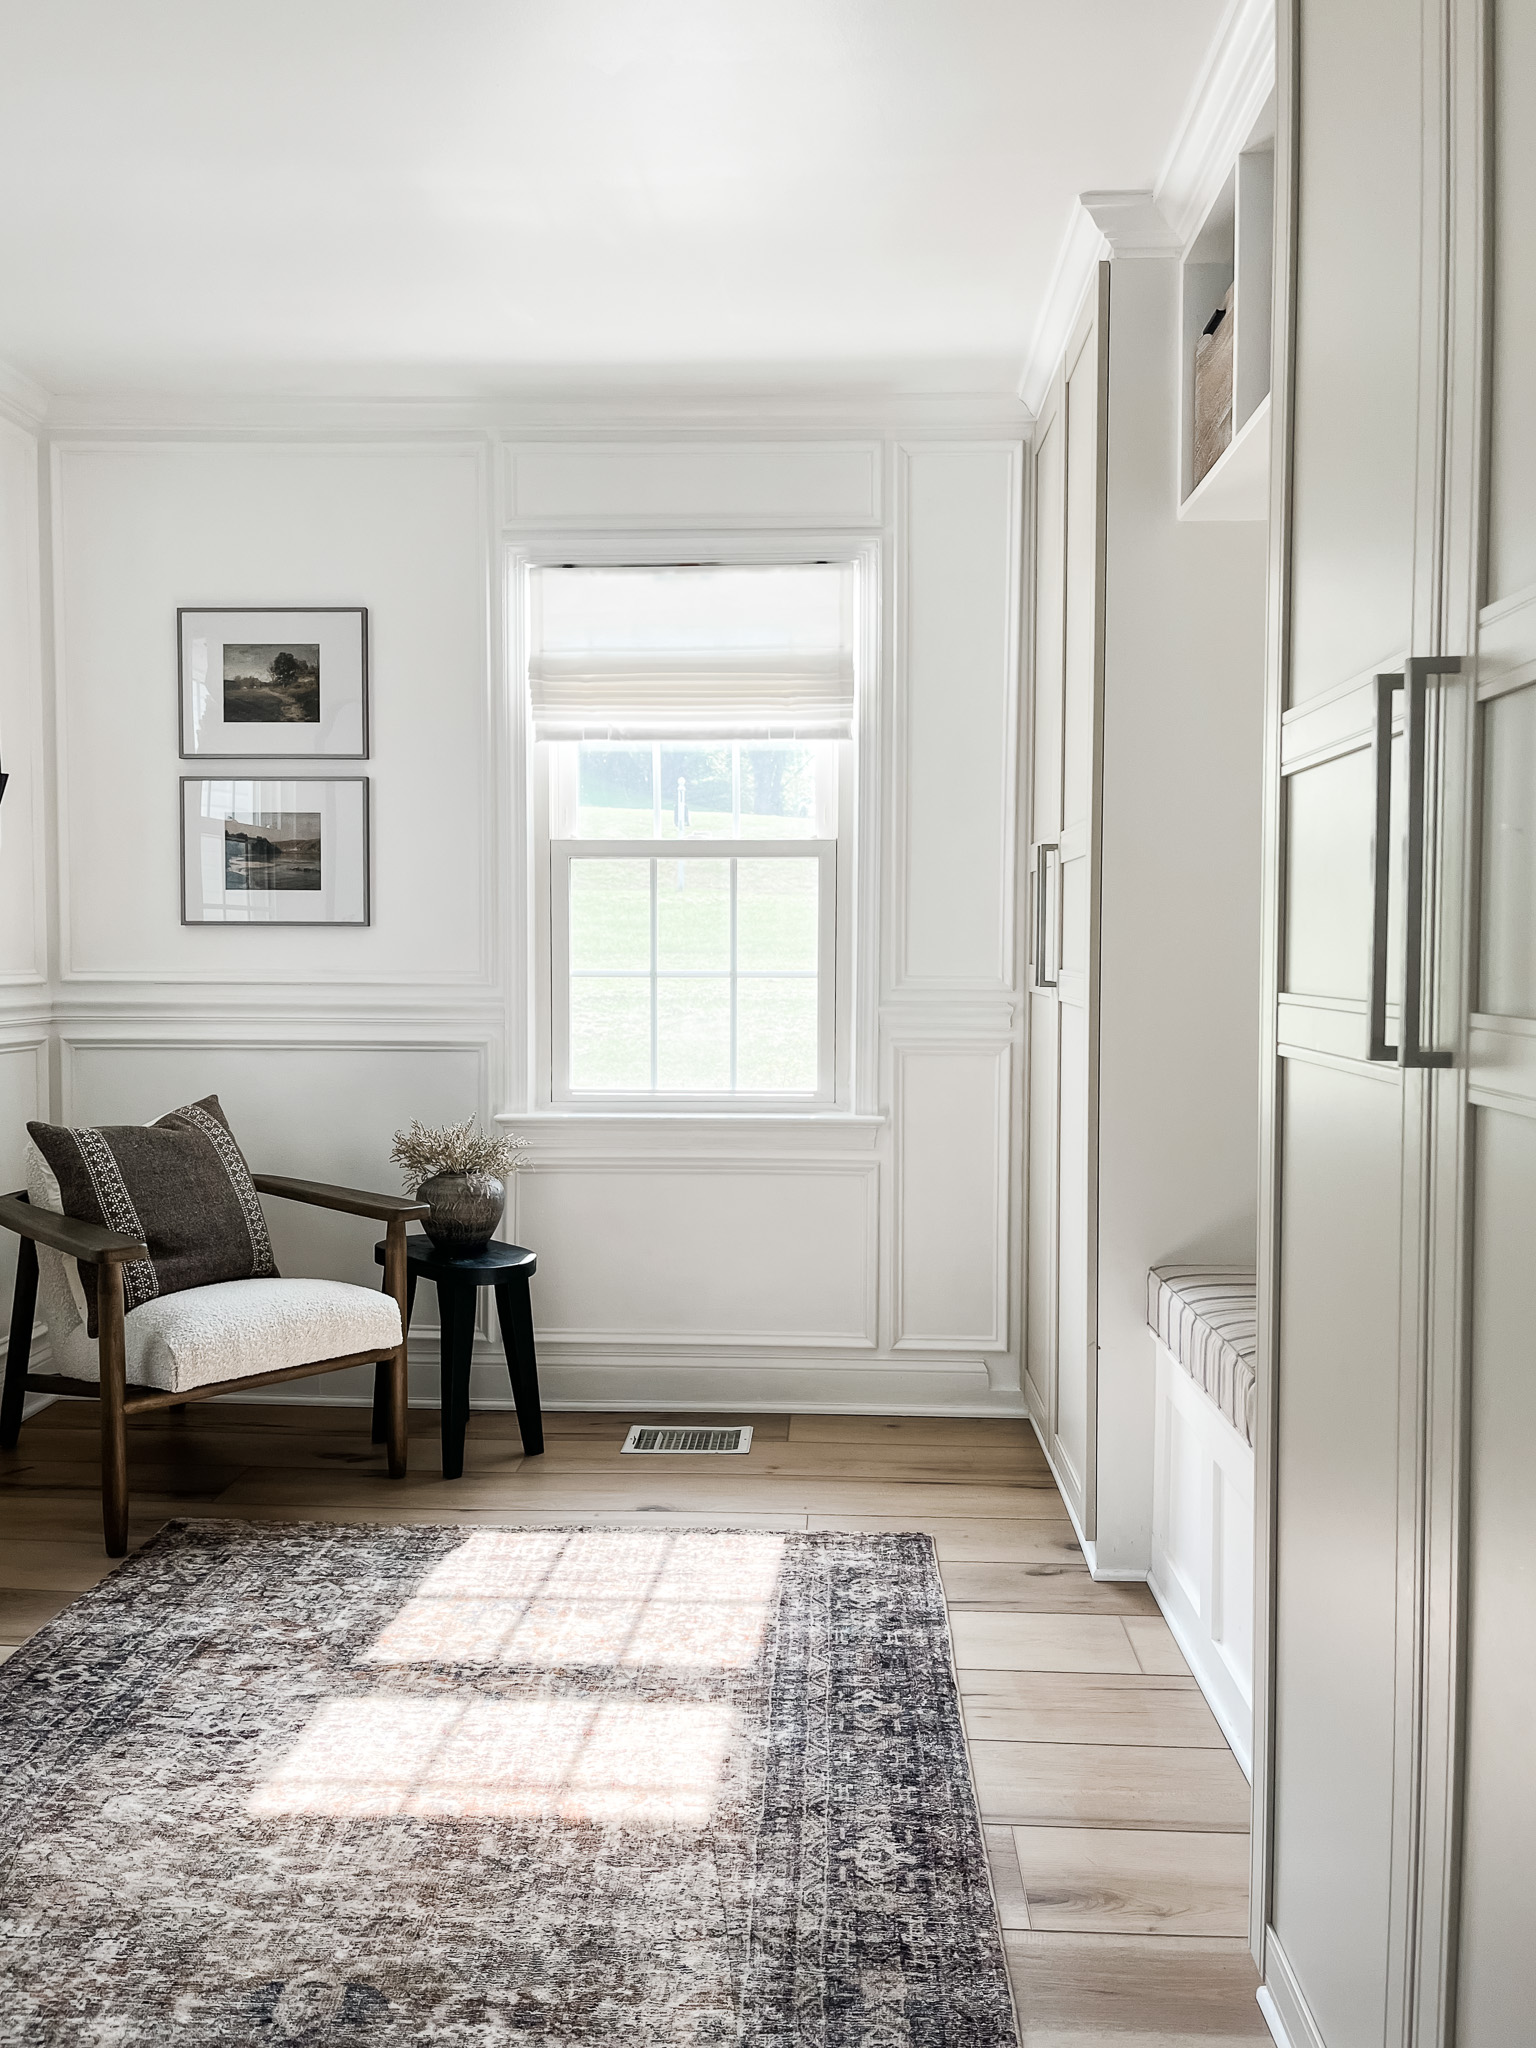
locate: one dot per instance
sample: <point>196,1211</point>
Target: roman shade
<point>703,652</point>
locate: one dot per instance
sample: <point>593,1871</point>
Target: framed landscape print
<point>273,683</point>
<point>274,849</point>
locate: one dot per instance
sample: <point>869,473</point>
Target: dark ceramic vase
<point>465,1210</point>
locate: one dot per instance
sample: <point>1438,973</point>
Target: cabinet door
<point>1345,1196</point>
<point>1043,1119</point>
<point>1496,1975</point>
<point>1083,400</point>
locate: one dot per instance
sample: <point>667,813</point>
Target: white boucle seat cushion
<point>237,1328</point>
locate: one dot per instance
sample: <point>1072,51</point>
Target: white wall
<point>1179,1006</point>
<point>854,1261</point>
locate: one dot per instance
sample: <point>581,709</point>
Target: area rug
<point>668,1787</point>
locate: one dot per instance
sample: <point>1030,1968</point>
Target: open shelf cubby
<point>1232,254</point>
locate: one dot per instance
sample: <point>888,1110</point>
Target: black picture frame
<point>259,740</point>
<point>363,854</point>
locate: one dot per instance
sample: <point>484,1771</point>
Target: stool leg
<point>456,1319</point>
<point>514,1311</point>
<point>382,1370</point>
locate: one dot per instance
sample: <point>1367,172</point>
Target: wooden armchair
<point>210,1322</point>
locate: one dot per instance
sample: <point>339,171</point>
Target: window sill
<point>725,1129</point>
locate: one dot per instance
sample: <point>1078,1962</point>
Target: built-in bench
<point>1204,1321</point>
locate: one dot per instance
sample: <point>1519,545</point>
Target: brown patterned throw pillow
<point>182,1185</point>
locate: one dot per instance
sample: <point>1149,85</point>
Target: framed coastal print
<point>273,683</point>
<point>274,849</point>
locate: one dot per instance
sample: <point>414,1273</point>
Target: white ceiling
<point>484,197</point>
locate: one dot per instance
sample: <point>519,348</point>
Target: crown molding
<point>1113,224</point>
<point>1223,110</point>
<point>22,398</point>
<point>812,410</point>
<point>1131,223</point>
<point>1235,81</point>
<point>1081,248</point>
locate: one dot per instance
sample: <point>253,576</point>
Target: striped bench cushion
<point>1206,1316</point>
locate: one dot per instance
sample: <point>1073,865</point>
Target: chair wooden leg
<point>19,1351</point>
<point>383,1372</point>
<point>383,1394</point>
<point>114,1422</point>
<point>397,1281</point>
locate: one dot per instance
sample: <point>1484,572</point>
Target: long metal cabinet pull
<point>1045,852</point>
<point>1381,864</point>
<point>1417,671</point>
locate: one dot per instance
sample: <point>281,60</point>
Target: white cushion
<point>60,1293</point>
<point>237,1328</point>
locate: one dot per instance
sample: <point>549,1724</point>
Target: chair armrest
<point>67,1234</point>
<point>355,1203</point>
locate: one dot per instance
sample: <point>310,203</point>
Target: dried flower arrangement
<point>424,1151</point>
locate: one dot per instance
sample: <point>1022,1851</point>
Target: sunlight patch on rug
<point>648,1763</point>
<point>664,1598</point>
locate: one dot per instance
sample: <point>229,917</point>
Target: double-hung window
<point>695,725</point>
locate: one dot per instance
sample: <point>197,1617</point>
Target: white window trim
<point>856,923</point>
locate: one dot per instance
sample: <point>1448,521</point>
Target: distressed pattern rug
<point>670,1788</point>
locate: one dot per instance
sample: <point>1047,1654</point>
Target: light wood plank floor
<point>1116,1817</point>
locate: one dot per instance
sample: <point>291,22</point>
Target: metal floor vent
<point>652,1438</point>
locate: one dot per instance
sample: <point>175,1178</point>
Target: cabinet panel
<point>1330,821</point>
<point>1337,1519</point>
<point>1049,564</point>
<point>1074,1315</point>
<point>1507,977</point>
<point>1357,334</point>
<point>1512,442</point>
<point>1497,1977</point>
<point>1040,1252</point>
<point>1081,653</point>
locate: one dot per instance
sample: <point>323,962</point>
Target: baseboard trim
<point>1198,1651</point>
<point>1272,2019</point>
<point>1285,2009</point>
<point>1105,1574</point>
<point>615,1405</point>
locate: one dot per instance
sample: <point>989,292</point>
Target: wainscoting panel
<point>808,483</point>
<point>23,852</point>
<point>142,529</point>
<point>952,1118</point>
<point>317,1110</point>
<point>718,1254</point>
<point>955,744</point>
<point>1202,1544</point>
<point>23,1096</point>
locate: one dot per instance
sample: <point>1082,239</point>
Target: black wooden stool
<point>507,1268</point>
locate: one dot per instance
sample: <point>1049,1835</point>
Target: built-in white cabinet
<point>1226,297</point>
<point>1143,886</point>
<point>1064,894</point>
<point>1394,1761</point>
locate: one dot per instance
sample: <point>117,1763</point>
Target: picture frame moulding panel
<point>91,427</point>
<point>730,1137</point>
<point>898,978</point>
<point>706,481</point>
